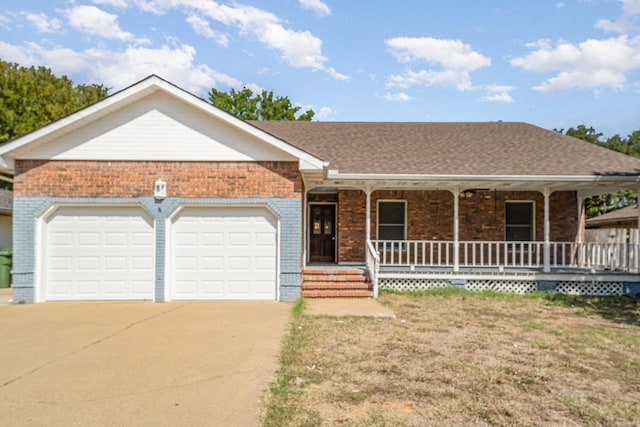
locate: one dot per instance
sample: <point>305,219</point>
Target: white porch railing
<point>373,265</point>
<point>623,257</point>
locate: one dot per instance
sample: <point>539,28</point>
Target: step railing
<point>623,257</point>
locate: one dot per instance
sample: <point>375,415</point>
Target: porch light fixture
<point>160,190</point>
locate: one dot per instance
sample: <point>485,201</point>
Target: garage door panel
<point>108,254</point>
<point>115,239</point>
<point>88,287</point>
<point>91,263</point>
<point>214,288</point>
<point>213,263</point>
<point>234,248</point>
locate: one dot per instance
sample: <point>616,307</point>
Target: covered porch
<point>503,233</point>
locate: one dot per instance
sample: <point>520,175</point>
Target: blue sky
<point>556,64</point>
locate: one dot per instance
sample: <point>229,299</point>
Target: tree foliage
<point>33,97</point>
<point>247,105</point>
<point>630,145</point>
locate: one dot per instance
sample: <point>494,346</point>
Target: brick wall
<point>351,223</point>
<point>430,216</point>
<point>64,178</point>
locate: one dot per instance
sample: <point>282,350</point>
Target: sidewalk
<point>5,296</point>
<point>367,307</point>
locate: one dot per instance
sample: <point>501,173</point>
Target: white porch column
<point>581,213</point>
<point>638,202</point>
<point>547,242</point>
<point>304,228</point>
<point>367,231</point>
<point>456,229</point>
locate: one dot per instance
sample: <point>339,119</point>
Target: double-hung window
<point>519,220</point>
<point>392,220</point>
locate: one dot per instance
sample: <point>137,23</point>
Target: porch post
<point>304,228</point>
<point>580,219</point>
<point>638,203</point>
<point>456,229</point>
<point>547,242</point>
<point>367,231</point>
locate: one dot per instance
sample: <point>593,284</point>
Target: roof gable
<point>153,120</point>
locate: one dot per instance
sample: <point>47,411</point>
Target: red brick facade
<point>64,178</point>
<point>430,216</point>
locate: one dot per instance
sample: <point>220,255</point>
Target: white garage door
<point>224,253</point>
<point>99,253</point>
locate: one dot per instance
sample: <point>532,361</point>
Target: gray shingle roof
<point>489,148</point>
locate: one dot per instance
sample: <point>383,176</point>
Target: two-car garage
<point>109,253</point>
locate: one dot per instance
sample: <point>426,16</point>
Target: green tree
<point>247,105</point>
<point>33,97</point>
<point>602,203</point>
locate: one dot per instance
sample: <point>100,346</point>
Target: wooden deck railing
<point>624,257</point>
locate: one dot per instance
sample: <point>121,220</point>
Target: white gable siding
<point>159,127</point>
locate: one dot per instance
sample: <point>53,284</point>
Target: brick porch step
<point>336,283</point>
<point>337,294</point>
<point>334,278</point>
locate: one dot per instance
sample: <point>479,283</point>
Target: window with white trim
<point>392,220</point>
<point>519,221</point>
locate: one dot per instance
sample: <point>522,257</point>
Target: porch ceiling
<point>587,186</point>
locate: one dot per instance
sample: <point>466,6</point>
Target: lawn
<point>458,358</point>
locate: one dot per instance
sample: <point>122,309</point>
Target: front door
<point>322,233</point>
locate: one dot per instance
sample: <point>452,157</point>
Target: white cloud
<point>631,7</point>
<point>456,79</point>
<point>453,61</point>
<point>120,4</point>
<point>93,21</point>
<point>201,26</point>
<point>253,87</point>
<point>398,96</point>
<point>4,22</point>
<point>317,6</point>
<point>325,113</point>
<point>118,69</point>
<point>299,49</point>
<point>450,54</point>
<point>595,64</point>
<point>498,93</point>
<point>43,23</point>
<point>626,23</point>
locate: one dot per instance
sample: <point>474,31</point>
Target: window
<point>391,220</point>
<point>519,221</point>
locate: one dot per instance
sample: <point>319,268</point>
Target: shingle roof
<point>630,213</point>
<point>490,148</point>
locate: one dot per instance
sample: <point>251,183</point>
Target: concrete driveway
<point>137,364</point>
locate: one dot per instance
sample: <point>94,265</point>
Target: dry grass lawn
<point>455,358</point>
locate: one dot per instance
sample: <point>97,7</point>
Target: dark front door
<point>322,233</point>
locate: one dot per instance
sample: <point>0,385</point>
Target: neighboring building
<point>6,210</point>
<point>155,194</point>
<point>621,218</point>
